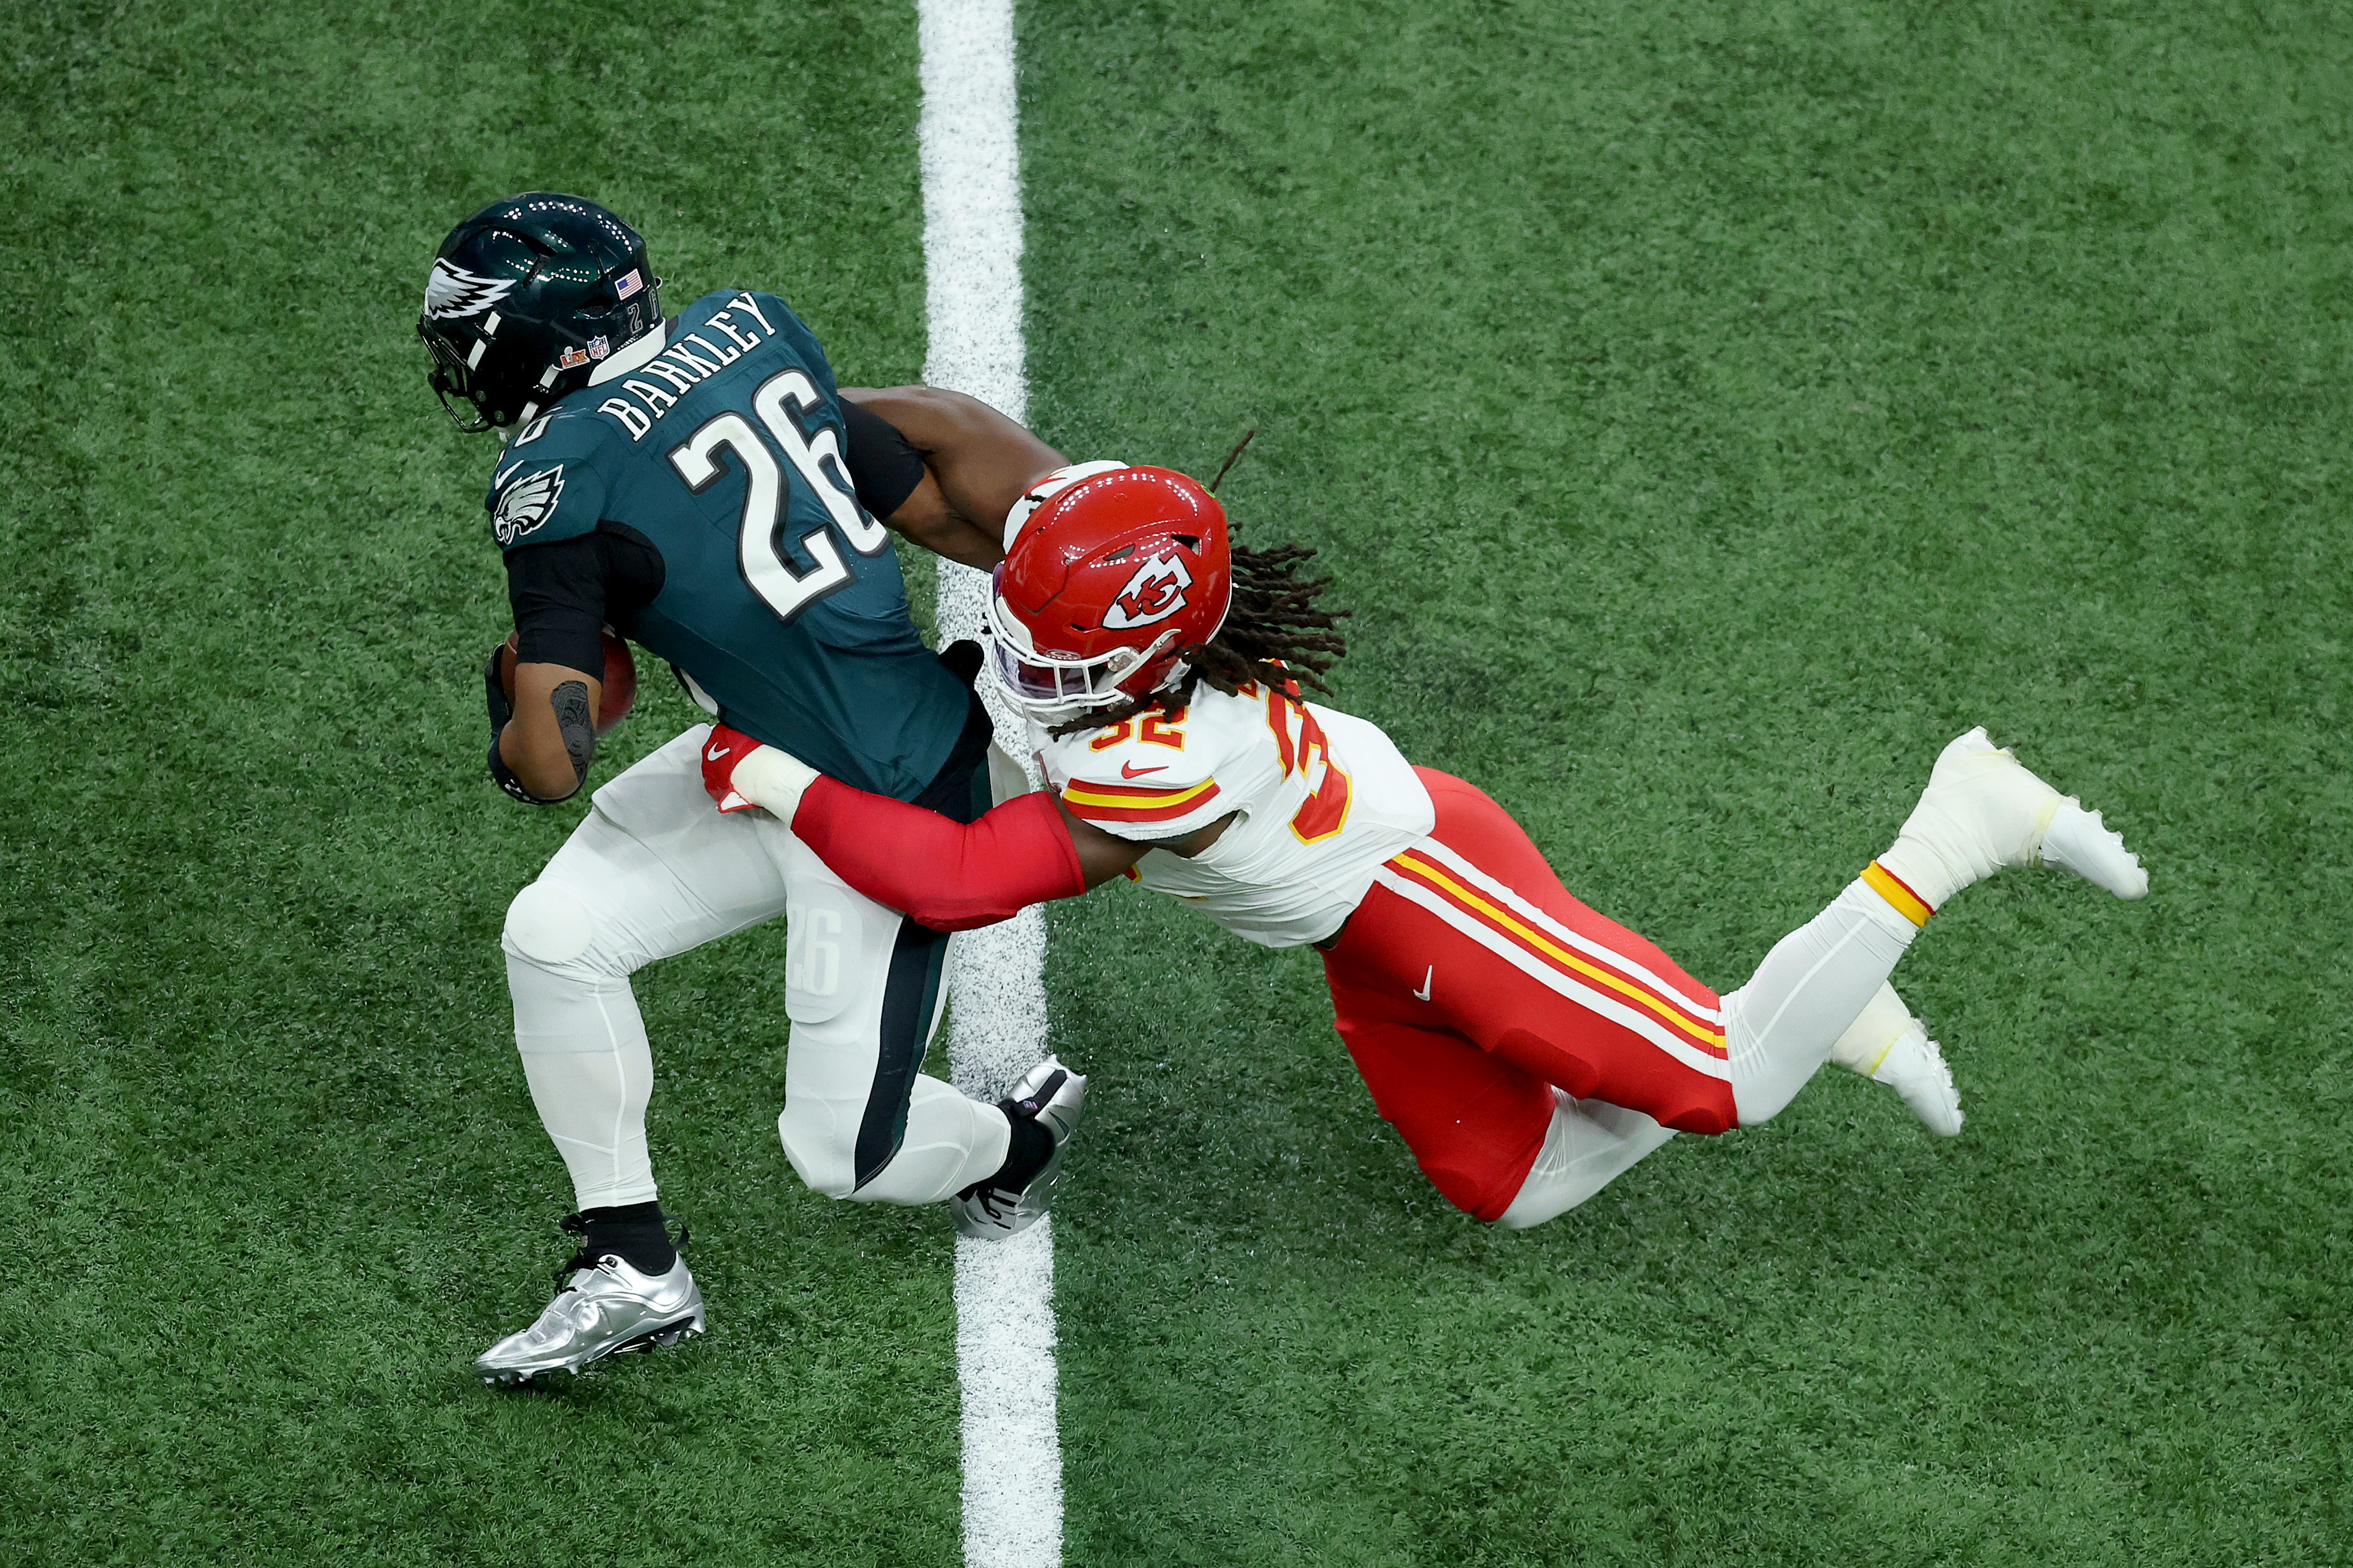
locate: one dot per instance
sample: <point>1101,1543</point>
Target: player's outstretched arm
<point>948,874</point>
<point>976,464</point>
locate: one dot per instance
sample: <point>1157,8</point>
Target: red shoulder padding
<point>947,875</point>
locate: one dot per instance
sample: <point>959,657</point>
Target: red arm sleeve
<point>947,875</point>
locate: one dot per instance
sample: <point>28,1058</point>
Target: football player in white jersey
<point>1527,1049</point>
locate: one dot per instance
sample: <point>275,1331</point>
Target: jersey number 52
<point>1303,748</point>
<point>759,549</point>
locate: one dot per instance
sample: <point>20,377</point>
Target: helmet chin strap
<point>1183,664</point>
<point>1143,660</point>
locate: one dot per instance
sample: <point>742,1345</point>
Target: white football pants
<point>655,869</point>
<point>1779,1029</point>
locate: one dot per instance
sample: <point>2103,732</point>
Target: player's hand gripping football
<point>536,739</point>
<point>741,774</point>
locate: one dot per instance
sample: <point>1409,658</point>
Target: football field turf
<point>1706,411</point>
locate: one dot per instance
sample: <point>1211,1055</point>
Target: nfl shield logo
<point>627,284</point>
<point>598,348</point>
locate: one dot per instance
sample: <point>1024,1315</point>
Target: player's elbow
<point>924,519</point>
<point>944,533</point>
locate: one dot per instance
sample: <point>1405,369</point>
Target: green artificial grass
<point>275,1175</point>
<point>1705,410</point>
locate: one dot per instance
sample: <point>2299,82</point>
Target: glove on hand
<point>741,772</point>
<point>494,691</point>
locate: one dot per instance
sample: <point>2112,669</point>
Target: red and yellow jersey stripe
<point>1136,802</point>
<point>1577,967</point>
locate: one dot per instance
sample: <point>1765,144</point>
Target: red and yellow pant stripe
<point>1578,967</point>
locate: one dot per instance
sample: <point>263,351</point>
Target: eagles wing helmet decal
<point>526,504</point>
<point>1155,593</point>
<point>451,292</point>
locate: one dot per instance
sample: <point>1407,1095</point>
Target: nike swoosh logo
<point>1130,771</point>
<point>1430,974</point>
<point>498,479</point>
<point>716,752</point>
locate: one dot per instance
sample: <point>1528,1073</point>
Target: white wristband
<point>772,780</point>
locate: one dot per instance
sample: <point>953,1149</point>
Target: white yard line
<point>1004,1291</point>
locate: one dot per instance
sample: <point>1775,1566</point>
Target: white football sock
<point>1981,811</point>
<point>1875,1029</point>
<point>1984,810</point>
<point>1779,1027</point>
<point>1589,1143</point>
<point>1887,1045</point>
<point>591,1074</point>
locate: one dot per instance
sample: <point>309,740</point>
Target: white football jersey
<point>1325,799</point>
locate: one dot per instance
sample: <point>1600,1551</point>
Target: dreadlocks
<point>1275,634</point>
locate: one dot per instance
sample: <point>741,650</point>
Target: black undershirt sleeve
<point>566,594</point>
<point>884,469</point>
<point>558,595</point>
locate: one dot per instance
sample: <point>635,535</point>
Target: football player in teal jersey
<point>698,485</point>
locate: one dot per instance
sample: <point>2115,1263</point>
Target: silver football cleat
<point>1053,1096</point>
<point>607,1309</point>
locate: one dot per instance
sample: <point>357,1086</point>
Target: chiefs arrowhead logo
<point>527,503</point>
<point>1155,593</point>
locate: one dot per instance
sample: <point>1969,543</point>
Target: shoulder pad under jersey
<point>1150,777</point>
<point>550,482</point>
<point>743,317</point>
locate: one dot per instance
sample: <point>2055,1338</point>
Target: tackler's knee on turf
<point>1588,1146</point>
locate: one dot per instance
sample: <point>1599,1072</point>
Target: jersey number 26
<point>758,547</point>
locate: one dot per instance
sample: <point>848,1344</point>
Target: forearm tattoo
<point>576,723</point>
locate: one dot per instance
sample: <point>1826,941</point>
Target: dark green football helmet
<point>525,300</point>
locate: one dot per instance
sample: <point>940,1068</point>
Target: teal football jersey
<point>781,597</point>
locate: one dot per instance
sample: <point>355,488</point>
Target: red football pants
<point>1469,985</point>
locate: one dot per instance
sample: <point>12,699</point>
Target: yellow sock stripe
<point>1889,886</point>
<point>1711,1038</point>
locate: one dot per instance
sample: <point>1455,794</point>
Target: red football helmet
<point>1108,579</point>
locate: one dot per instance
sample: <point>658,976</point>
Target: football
<point>620,691</point>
